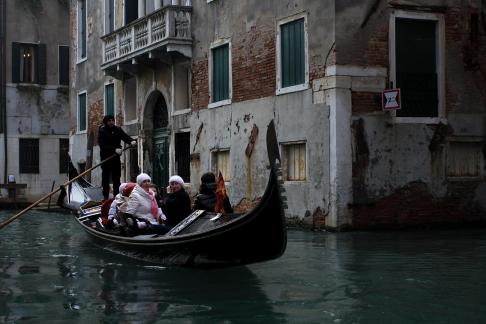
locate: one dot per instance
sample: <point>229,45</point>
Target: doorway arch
<point>157,138</point>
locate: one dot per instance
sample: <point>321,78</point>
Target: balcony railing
<point>170,25</point>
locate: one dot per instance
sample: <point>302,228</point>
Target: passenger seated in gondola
<point>143,206</point>
<point>206,199</point>
<point>119,203</point>
<point>177,204</point>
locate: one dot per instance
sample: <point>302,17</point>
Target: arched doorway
<point>156,124</point>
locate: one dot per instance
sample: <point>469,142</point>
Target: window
<point>183,156</point>
<point>63,155</point>
<point>110,99</point>
<point>292,68</point>
<point>465,160</point>
<point>220,74</point>
<point>294,162</point>
<point>82,116</point>
<point>221,164</point>
<point>416,48</point>
<point>64,65</point>
<point>28,155</point>
<point>109,16</point>
<point>28,63</point>
<point>82,24</point>
<point>131,10</point>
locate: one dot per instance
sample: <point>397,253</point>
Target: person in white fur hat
<point>177,204</point>
<point>143,205</point>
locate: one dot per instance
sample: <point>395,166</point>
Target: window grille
<point>63,155</point>
<point>29,155</point>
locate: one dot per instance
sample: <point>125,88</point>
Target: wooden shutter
<point>221,73</point>
<point>82,112</point>
<point>64,65</point>
<point>110,99</point>
<point>292,51</point>
<point>15,62</point>
<point>41,64</point>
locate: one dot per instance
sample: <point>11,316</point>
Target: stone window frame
<point>440,59</point>
<point>78,131</point>
<point>213,45</point>
<point>299,87</point>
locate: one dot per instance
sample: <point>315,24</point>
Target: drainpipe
<point>3,63</point>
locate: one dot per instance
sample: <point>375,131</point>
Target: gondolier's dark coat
<point>109,139</point>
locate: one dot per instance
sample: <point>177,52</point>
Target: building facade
<point>35,115</point>
<point>197,83</point>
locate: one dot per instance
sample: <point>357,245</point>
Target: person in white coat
<point>143,206</point>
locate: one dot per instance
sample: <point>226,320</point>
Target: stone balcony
<point>153,36</point>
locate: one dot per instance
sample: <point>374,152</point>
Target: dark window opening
<point>416,67</point>
<point>28,63</point>
<point>64,65</point>
<point>63,155</point>
<point>161,118</point>
<point>110,99</point>
<point>182,155</point>
<point>474,28</point>
<point>82,41</point>
<point>131,11</point>
<point>29,155</point>
<point>82,112</point>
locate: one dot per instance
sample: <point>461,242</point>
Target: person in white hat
<point>177,204</point>
<point>143,205</point>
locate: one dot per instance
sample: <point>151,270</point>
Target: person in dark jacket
<point>109,140</point>
<point>206,199</point>
<point>177,204</point>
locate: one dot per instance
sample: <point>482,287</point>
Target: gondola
<point>202,239</point>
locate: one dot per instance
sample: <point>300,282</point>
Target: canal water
<point>51,273</point>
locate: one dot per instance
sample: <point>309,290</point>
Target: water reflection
<point>51,272</point>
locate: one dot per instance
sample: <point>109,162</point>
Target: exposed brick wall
<point>253,56</point>
<point>199,84</point>
<point>363,102</point>
<point>414,206</point>
<point>377,52</point>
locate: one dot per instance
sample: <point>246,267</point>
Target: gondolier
<point>109,140</point>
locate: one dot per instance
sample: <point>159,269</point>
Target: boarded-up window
<point>294,162</point>
<point>465,160</point>
<point>182,155</point>
<point>63,155</point>
<point>416,67</point>
<point>220,73</point>
<point>221,163</point>
<point>64,65</point>
<point>28,155</point>
<point>28,63</point>
<point>292,49</point>
<point>82,112</point>
<point>110,99</point>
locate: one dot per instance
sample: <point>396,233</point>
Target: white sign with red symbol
<point>390,99</point>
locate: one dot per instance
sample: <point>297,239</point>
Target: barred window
<point>29,155</point>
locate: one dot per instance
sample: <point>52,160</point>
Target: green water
<point>51,273</point>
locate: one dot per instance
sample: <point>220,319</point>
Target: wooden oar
<point>11,219</point>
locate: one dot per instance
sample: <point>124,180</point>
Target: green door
<point>161,157</point>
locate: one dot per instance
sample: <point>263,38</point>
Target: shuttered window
<point>28,63</point>
<point>82,37</point>
<point>82,112</point>
<point>29,155</point>
<point>221,163</point>
<point>292,49</point>
<point>220,73</point>
<point>64,65</point>
<point>110,99</point>
<point>294,162</point>
<point>63,155</point>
